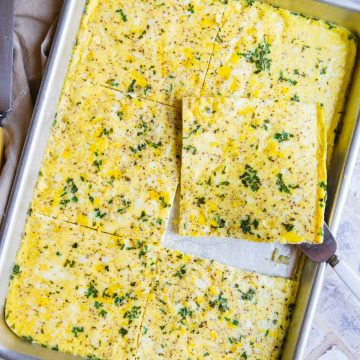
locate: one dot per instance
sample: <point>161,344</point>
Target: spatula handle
<point>1,146</point>
<point>350,278</point>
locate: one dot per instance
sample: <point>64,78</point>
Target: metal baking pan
<point>348,144</point>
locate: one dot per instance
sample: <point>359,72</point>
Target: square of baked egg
<point>111,163</point>
<point>279,54</point>
<point>199,306</point>
<point>159,50</point>
<point>77,290</point>
<point>253,170</point>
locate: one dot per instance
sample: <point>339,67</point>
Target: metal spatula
<point>6,61</point>
<point>325,252</point>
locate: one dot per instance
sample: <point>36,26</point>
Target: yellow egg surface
<point>111,162</point>
<point>153,49</point>
<point>271,53</point>
<point>253,169</point>
<point>77,290</point>
<point>91,277</point>
<point>203,309</point>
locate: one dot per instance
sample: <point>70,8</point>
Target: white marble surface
<point>336,329</point>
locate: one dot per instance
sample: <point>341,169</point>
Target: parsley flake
<point>283,136</point>
<point>122,14</point>
<point>250,179</point>
<point>259,57</point>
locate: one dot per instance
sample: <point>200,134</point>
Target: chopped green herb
<point>295,98</point>
<point>120,114</point>
<point>138,148</point>
<point>97,163</point>
<point>144,128</point>
<point>191,8</point>
<point>119,300</point>
<point>142,34</point>
<point>247,295</point>
<point>323,185</point>
<point>132,314</point>
<point>71,263</point>
<point>218,38</point>
<point>190,148</point>
<point>283,136</point>
<point>98,304</point>
<point>15,271</point>
<point>225,183</point>
<point>99,214</point>
<point>233,340</point>
<point>76,330</point>
<point>250,179</point>
<point>131,87</point>
<point>92,357</point>
<point>28,339</point>
<point>69,192</point>
<point>147,89</point>
<point>103,313</point>
<point>143,216</point>
<point>330,25</point>
<point>288,227</point>
<point>163,203</point>
<point>181,272</point>
<point>154,145</point>
<point>200,201</point>
<point>125,205</point>
<point>282,186</point>
<point>220,223</point>
<point>106,132</point>
<point>143,251</point>
<point>220,302</point>
<point>123,332</point>
<point>92,291</point>
<point>121,13</point>
<point>259,57</point>
<point>247,225</point>
<point>283,78</point>
<point>184,312</point>
<point>197,127</point>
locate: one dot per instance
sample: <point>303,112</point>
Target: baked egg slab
<point>253,170</point>
<point>200,308</point>
<point>111,162</point>
<point>271,53</point>
<point>79,291</point>
<point>158,50</point>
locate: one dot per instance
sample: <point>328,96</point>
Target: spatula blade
<point>6,54</point>
<point>321,252</point>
